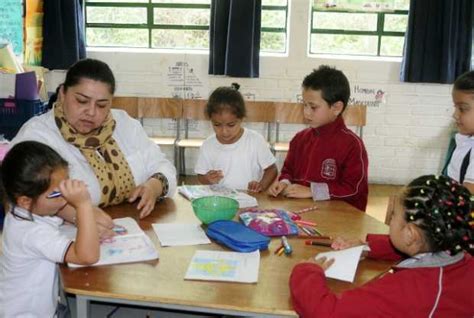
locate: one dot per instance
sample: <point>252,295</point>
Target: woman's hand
<point>341,243</point>
<point>148,193</point>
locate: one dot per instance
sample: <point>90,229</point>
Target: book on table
<point>132,246</point>
<point>192,192</point>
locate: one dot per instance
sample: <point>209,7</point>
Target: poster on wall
<point>369,95</point>
<point>11,24</point>
<point>33,32</point>
<point>185,81</point>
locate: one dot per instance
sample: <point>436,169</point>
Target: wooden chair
<point>193,109</point>
<point>128,104</point>
<point>394,203</point>
<point>261,112</point>
<point>356,115</point>
<point>162,108</point>
<point>286,113</point>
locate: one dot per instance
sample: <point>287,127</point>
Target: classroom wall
<point>406,135</point>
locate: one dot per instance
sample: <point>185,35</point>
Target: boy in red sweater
<point>435,230</point>
<point>327,160</point>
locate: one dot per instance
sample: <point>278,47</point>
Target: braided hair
<point>441,207</point>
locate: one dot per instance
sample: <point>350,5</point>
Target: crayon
<point>305,223</point>
<point>278,249</point>
<point>314,207</point>
<point>318,243</point>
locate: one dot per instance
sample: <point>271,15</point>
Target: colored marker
<point>286,245</point>
<point>279,249</point>
<point>119,229</point>
<point>305,230</point>
<point>305,223</point>
<point>318,243</point>
<point>54,194</point>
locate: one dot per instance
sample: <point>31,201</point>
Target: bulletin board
<point>11,24</point>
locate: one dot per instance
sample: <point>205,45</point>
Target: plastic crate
<point>15,112</point>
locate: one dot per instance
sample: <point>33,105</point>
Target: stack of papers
<point>224,266</point>
<point>174,234</point>
<point>192,192</point>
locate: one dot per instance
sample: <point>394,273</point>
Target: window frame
<point>379,32</point>
<point>150,25</point>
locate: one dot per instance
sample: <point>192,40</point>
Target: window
<point>354,27</point>
<point>171,24</point>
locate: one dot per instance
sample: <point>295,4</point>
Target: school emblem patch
<point>329,169</point>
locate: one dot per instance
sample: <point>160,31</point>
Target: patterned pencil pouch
<point>269,222</point>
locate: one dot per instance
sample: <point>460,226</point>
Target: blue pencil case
<point>237,236</point>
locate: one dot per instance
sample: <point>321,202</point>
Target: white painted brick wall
<point>405,137</point>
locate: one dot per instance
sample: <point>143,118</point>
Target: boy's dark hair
<point>332,83</point>
<point>26,170</point>
<point>226,98</point>
<point>92,69</point>
<point>465,82</point>
<point>441,207</point>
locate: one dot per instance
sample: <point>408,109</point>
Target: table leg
<point>83,307</point>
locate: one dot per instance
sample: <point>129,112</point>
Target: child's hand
<point>276,188</point>
<point>341,243</point>
<point>214,176</point>
<point>298,191</point>
<point>254,186</point>
<point>323,262</point>
<point>75,192</point>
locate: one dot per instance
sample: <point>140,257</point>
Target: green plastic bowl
<point>214,208</point>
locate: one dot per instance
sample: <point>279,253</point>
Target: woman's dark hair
<point>441,207</point>
<point>87,68</point>
<point>465,82</point>
<point>26,170</point>
<point>226,98</point>
<point>92,69</point>
<point>332,83</point>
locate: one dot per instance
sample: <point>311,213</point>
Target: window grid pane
<point>183,23</point>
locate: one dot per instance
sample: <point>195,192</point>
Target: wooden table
<point>161,283</point>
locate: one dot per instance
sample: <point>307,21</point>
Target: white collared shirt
<point>29,276</point>
<point>143,156</point>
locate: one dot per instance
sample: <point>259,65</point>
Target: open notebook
<point>192,192</point>
<point>134,246</point>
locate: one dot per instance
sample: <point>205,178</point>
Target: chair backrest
<point>194,109</point>
<point>128,104</point>
<point>289,113</point>
<point>261,112</point>
<point>356,115</point>
<point>394,203</point>
<point>150,107</point>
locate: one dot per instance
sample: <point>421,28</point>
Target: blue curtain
<point>63,33</point>
<point>235,37</point>
<point>438,42</point>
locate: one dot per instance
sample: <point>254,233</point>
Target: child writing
<point>236,157</point>
<point>327,160</point>
<point>433,231</point>
<point>459,167</point>
<point>32,245</point>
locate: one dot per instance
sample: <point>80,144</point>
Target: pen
<point>54,194</point>
<point>318,243</point>
<point>286,245</point>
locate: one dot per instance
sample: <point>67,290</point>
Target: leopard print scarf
<point>103,155</point>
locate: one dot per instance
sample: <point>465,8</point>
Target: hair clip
<point>422,191</point>
<point>436,177</point>
<point>54,194</point>
<point>436,211</point>
<point>412,217</point>
<point>428,182</point>
<point>438,229</point>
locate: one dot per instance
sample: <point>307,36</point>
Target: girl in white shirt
<point>460,166</point>
<point>235,157</point>
<point>35,183</point>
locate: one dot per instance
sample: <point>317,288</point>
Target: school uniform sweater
<point>426,285</point>
<point>330,159</point>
